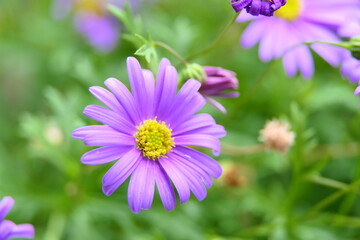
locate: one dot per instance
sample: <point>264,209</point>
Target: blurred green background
<point>46,67</point>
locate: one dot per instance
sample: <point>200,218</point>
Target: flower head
<point>217,83</point>
<point>297,22</point>
<point>258,7</point>
<point>277,135</point>
<point>9,229</point>
<point>93,21</point>
<point>148,132</point>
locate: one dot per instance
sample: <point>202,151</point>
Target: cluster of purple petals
<point>187,169</point>
<point>258,7</point>
<point>217,83</point>
<point>8,229</point>
<point>100,30</point>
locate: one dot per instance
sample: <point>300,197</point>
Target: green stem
<point>345,45</point>
<point>171,51</point>
<point>327,182</point>
<point>233,150</point>
<point>216,41</point>
<point>332,198</point>
<point>242,100</point>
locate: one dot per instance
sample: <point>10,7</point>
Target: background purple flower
<point>217,83</point>
<point>297,22</point>
<point>93,20</point>
<point>9,229</point>
<point>148,131</point>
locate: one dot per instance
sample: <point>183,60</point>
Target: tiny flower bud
<point>194,71</point>
<point>53,135</point>
<point>217,83</point>
<point>276,135</point>
<point>234,175</point>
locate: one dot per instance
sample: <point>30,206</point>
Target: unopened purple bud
<point>258,7</point>
<point>217,83</point>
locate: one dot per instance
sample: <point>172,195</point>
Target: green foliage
<point>310,192</point>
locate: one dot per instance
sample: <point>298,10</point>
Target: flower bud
<point>234,175</point>
<point>217,83</point>
<point>258,7</point>
<point>276,135</point>
<point>194,71</point>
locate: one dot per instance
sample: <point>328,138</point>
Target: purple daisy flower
<point>93,21</point>
<point>217,83</point>
<point>9,229</point>
<point>148,132</point>
<point>258,7</point>
<point>297,22</point>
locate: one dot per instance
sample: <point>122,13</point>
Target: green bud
<point>355,47</point>
<point>194,71</point>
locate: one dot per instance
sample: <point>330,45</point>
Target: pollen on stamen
<point>291,11</point>
<point>154,139</point>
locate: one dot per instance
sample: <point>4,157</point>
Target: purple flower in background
<point>350,69</point>
<point>9,229</point>
<point>148,132</point>
<point>297,22</point>
<point>258,7</point>
<point>93,21</point>
<point>217,83</point>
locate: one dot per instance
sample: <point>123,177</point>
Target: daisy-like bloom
<point>217,84</point>
<point>148,132</point>
<point>9,229</point>
<point>297,22</point>
<point>93,21</point>
<point>276,135</point>
<point>258,7</point>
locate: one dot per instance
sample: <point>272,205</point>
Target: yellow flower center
<point>290,11</point>
<point>93,6</point>
<point>154,139</point>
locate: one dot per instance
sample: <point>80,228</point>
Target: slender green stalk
<point>345,45</point>
<point>332,198</point>
<point>327,182</point>
<point>242,100</point>
<point>241,150</point>
<point>171,51</point>
<point>216,41</point>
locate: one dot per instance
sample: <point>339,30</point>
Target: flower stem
<point>216,41</point>
<point>328,182</point>
<point>171,51</point>
<point>332,198</point>
<point>241,150</point>
<point>345,45</point>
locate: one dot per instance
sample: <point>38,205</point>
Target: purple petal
<point>216,104</point>
<point>137,83</point>
<point>187,102</point>
<point>104,155</point>
<point>197,121</point>
<point>150,91</point>
<point>199,140</point>
<point>81,132</point>
<point>177,178</point>
<point>166,190</point>
<point>5,229</point>
<point>108,99</point>
<point>196,185</point>
<point>141,186</point>
<point>5,206</point>
<point>110,118</point>
<point>125,98</point>
<point>120,171</point>
<point>202,160</point>
<point>23,231</point>
<point>109,139</point>
<point>165,89</point>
